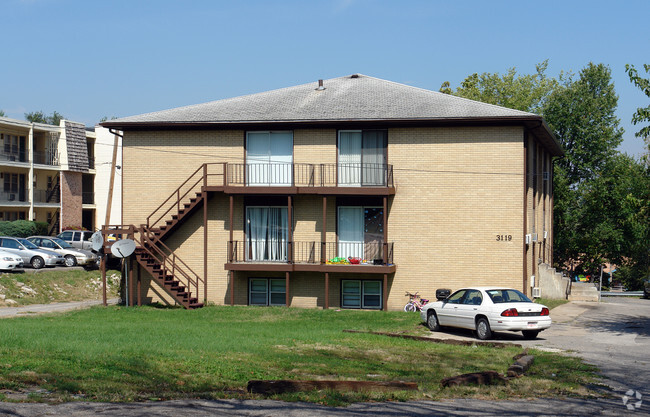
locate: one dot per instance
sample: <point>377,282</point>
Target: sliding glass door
<point>269,158</point>
<point>360,232</point>
<point>362,158</point>
<point>266,234</point>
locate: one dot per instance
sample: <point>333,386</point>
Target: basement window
<point>361,294</point>
<point>267,292</point>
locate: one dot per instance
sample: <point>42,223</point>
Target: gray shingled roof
<point>344,98</point>
<point>75,136</point>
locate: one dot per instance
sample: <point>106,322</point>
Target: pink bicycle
<point>415,302</point>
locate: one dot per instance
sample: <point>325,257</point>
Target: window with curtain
<point>269,158</point>
<point>360,232</point>
<point>361,294</point>
<point>362,158</point>
<point>266,234</point>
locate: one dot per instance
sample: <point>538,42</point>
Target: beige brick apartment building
<point>251,200</point>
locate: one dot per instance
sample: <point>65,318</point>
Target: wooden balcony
<point>293,178</point>
<point>310,257</point>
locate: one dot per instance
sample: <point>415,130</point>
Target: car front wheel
<point>483,331</point>
<point>432,321</point>
<point>70,260</point>
<point>37,262</point>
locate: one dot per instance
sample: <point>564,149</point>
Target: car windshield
<point>26,243</point>
<point>507,296</point>
<point>62,243</point>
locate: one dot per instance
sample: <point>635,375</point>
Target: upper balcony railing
<point>46,158</point>
<point>281,174</point>
<point>222,174</point>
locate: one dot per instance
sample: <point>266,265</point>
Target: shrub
<point>23,228</point>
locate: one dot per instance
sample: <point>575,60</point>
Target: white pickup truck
<point>78,238</point>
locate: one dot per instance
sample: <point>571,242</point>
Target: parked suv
<point>72,255</point>
<point>30,253</point>
<point>77,238</point>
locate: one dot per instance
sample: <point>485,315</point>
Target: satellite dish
<point>123,248</point>
<point>97,241</point>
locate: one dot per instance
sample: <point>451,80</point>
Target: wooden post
<point>139,288</point>
<point>385,293</point>
<point>323,234</point>
<point>232,287</point>
<point>286,280</point>
<point>327,290</point>
<point>290,231</point>
<point>131,287</point>
<point>385,227</point>
<point>205,248</point>
<point>109,203</point>
<point>102,265</point>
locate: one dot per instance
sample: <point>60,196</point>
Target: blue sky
<point>89,59</point>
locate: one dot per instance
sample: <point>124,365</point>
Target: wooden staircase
<point>166,268</point>
<point>177,219</point>
<point>166,280</point>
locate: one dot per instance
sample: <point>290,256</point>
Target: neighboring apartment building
<point>49,173</point>
<point>251,200</point>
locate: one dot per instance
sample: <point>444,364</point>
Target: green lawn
<point>129,354</point>
<point>551,303</point>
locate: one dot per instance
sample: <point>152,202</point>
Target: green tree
<point>581,113</point>
<point>2,113</point>
<point>527,92</point>
<point>642,114</point>
<point>40,117</point>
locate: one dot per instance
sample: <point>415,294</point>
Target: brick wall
<point>457,191</point>
<point>71,198</point>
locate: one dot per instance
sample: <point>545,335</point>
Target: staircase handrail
<point>176,193</point>
<point>163,258</point>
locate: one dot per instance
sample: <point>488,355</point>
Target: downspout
<point>525,249</point>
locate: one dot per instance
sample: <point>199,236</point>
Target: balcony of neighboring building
<point>46,151</point>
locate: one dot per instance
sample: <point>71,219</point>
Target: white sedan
<point>9,261</point>
<point>488,309</point>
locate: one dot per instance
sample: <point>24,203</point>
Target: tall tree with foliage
<point>2,113</point>
<point>599,194</point>
<point>40,117</point>
<point>582,115</point>
<point>642,114</point>
<point>528,92</point>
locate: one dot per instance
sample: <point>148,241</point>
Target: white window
<point>267,234</point>
<point>360,232</point>
<point>267,292</point>
<point>361,294</point>
<point>362,158</point>
<point>269,158</point>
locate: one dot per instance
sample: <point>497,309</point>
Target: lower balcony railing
<point>347,253</point>
<point>47,196</point>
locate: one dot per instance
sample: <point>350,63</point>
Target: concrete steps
<point>583,291</point>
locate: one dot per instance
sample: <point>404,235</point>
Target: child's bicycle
<point>415,302</point>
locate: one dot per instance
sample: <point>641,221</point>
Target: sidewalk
<point>50,308</point>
